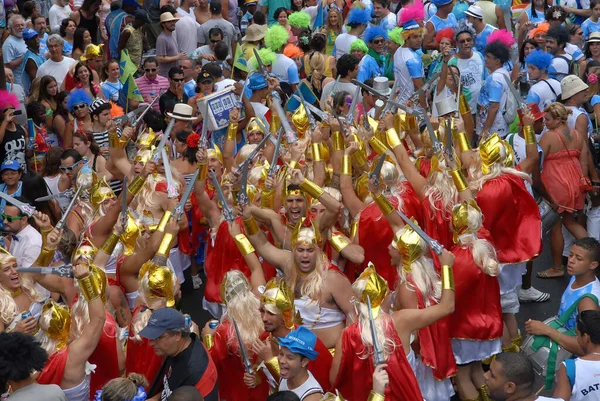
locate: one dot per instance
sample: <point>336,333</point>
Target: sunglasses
<point>80,106</point>
<point>214,41</point>
<point>69,168</point>
<point>150,69</point>
<point>177,79</point>
<point>378,41</point>
<point>10,219</point>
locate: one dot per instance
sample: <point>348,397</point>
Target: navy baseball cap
<point>162,320</point>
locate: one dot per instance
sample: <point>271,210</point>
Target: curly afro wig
<point>276,37</point>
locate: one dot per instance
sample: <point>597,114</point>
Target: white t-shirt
<point>28,247</point>
<point>259,109</point>
<point>56,15</point>
<point>472,75</point>
<point>219,86</point>
<point>285,69</point>
<point>57,69</point>
<point>342,44</point>
<point>407,66</point>
<point>187,33</point>
<point>544,93</point>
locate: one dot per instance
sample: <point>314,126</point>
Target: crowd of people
<point>358,189</point>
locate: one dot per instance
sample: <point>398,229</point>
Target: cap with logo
<point>301,341</point>
<point>10,165</point>
<point>29,33</point>
<point>162,320</point>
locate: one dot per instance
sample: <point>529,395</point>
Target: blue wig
<point>359,16</point>
<point>373,32</point>
<point>77,97</point>
<point>540,59</point>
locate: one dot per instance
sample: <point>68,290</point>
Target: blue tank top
<point>440,24</point>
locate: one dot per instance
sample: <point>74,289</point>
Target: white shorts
<point>510,302</point>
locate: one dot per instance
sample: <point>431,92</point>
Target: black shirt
<point>13,147</point>
<point>168,100</point>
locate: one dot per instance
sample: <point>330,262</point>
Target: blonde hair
<point>484,253</point>
<point>316,67</point>
<point>138,322</point>
<point>9,309</point>
<point>121,389</point>
<point>244,307</point>
<point>47,343</point>
<point>313,284</point>
<point>441,188</point>
<point>477,178</point>
<point>558,111</point>
<point>243,153</point>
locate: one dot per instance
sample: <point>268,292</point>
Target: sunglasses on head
<point>150,69</point>
<point>10,219</point>
<point>80,106</point>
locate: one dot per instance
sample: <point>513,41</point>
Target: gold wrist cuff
<point>162,224</point>
<point>110,243</point>
<point>115,141</point>
<point>243,244</point>
<point>165,245</point>
<point>392,138</point>
<point>293,164</point>
<point>203,172</point>
<point>89,287</point>
<point>45,234</point>
<point>447,278</point>
<point>346,165</point>
<point>384,205</point>
<point>459,180</point>
<point>462,142</point>
<point>373,396</point>
<point>529,135</point>
<point>316,152</point>
<point>311,189</point>
<point>232,132</point>
<point>411,122</point>
<point>359,158</point>
<point>464,105</point>
<point>338,141</point>
<point>136,186</point>
<point>267,199</point>
<point>377,146</point>
<point>275,124</point>
<point>354,228</point>
<point>208,341</point>
<point>45,257</point>
<point>339,242</point>
<point>251,226</point>
<point>273,368</point>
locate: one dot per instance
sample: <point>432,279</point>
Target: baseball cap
<point>301,341</point>
<point>142,15</point>
<point>131,3</point>
<point>29,33</point>
<point>162,320</point>
<point>205,76</point>
<point>257,82</point>
<point>96,104</point>
<point>10,165</point>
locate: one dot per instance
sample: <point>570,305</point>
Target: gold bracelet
<point>316,153</point>
<point>461,140</point>
<point>45,234</point>
<point>338,141</point>
<point>346,165</point>
<point>384,205</point>
<point>162,224</point>
<point>203,174</point>
<point>411,122</point>
<point>373,396</point>
<point>89,287</point>
<point>392,138</point>
<point>464,105</point>
<point>339,242</point>
<point>232,132</point>
<point>354,229</point>
<point>208,341</point>
<point>165,245</point>
<point>377,146</point>
<point>275,124</point>
<point>359,158</point>
<point>311,188</point>
<point>447,278</point>
<point>115,141</point>
<point>136,186</point>
<point>45,257</point>
<point>459,180</point>
<point>243,244</point>
<point>110,243</point>
<point>529,135</point>
<point>293,164</point>
<point>267,199</point>
<point>273,368</point>
<point>251,226</point>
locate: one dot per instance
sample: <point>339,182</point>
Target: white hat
<point>182,111</point>
<point>166,17</point>
<point>594,37</point>
<point>381,85</point>
<point>571,85</point>
<point>475,11</point>
<point>446,106</point>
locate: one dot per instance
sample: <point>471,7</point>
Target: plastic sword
<point>376,173</point>
<point>180,208</point>
<point>124,205</point>
<point>62,270</point>
<point>253,154</point>
<point>433,244</point>
<point>163,141</point>
<point>26,208</point>
<point>171,189</point>
<point>377,351</point>
<point>273,166</point>
<point>430,82</point>
<point>63,219</point>
<point>245,360</point>
<point>317,112</point>
<point>227,212</point>
<point>350,116</point>
<point>242,196</point>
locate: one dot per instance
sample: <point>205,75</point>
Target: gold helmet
<point>85,250</point>
<point>314,239</point>
<point>92,51</point>
<point>460,218</point>
<point>254,126</point>
<point>233,283</point>
<point>300,121</point>
<point>146,139</point>
<point>410,245</point>
<point>59,323</point>
<point>100,192</point>
<point>491,151</point>
<point>376,289</point>
<point>216,153</point>
<point>160,283</point>
<point>278,294</point>
<point>130,235</point>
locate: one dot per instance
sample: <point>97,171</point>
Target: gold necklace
<point>16,293</point>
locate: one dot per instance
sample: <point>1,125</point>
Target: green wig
<point>267,57</point>
<point>396,36</point>
<point>276,37</point>
<point>299,19</point>
<point>359,44</point>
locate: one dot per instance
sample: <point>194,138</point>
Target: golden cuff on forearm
<point>529,135</point>
<point>377,146</point>
<point>89,287</point>
<point>464,105</point>
<point>45,233</point>
<point>162,224</point>
<point>45,257</point>
<point>232,132</point>
<point>311,188</point>
<point>359,158</point>
<point>411,122</point>
<point>267,199</point>
<point>373,396</point>
<point>462,142</point>
<point>384,205</point>
<point>354,229</point>
<point>459,180</point>
<point>136,186</point>
<point>447,278</point>
<point>338,141</point>
<point>243,244</point>
<point>208,341</point>
<point>316,152</point>
<point>346,165</point>
<point>275,124</point>
<point>203,172</point>
<point>293,164</point>
<point>115,141</point>
<point>110,243</point>
<point>339,242</point>
<point>165,245</point>
<point>251,226</point>
<point>392,138</point>
<point>273,368</point>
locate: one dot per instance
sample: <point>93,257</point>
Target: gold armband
<point>359,158</point>
<point>293,164</point>
<point>529,135</point>
<point>275,124</point>
<point>464,105</point>
<point>447,278</point>
<point>116,141</point>
<point>243,244</point>
<point>377,146</point>
<point>338,141</point>
<point>354,229</point>
<point>136,186</point>
<point>162,224</point>
<point>273,368</point>
<point>384,205</point>
<point>232,132</point>
<point>316,152</point>
<point>462,142</point>
<point>459,180</point>
<point>339,242</point>
<point>203,174</point>
<point>251,226</point>
<point>411,122</point>
<point>311,188</point>
<point>45,257</point>
<point>208,341</point>
<point>89,287</point>
<point>267,199</point>
<point>45,234</point>
<point>165,245</point>
<point>373,396</point>
<point>346,165</point>
<point>110,243</point>
<point>392,138</point>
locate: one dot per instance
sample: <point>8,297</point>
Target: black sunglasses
<point>378,41</point>
<point>79,106</point>
<point>150,69</point>
<point>177,79</point>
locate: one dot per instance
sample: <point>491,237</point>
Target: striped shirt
<point>151,88</point>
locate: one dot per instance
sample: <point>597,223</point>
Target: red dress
<point>512,217</point>
<point>437,222</point>
<point>561,175</point>
<point>141,358</point>
<point>55,368</point>
<point>355,377</point>
<point>105,356</point>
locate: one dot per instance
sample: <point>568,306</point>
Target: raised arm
<point>257,276</point>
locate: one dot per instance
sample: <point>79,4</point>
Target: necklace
<point>16,293</point>
<point>594,353</point>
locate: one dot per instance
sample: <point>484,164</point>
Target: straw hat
<point>255,32</point>
<point>572,85</point>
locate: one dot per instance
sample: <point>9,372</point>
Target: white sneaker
<point>197,281</point>
<point>533,295</point>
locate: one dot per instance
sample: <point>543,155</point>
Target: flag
<point>239,59</point>
<point>320,18</point>
<point>126,67</point>
<point>309,97</point>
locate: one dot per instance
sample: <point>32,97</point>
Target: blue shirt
<point>589,26</point>
<point>190,88</point>
<point>481,38</point>
<point>570,296</point>
<point>368,68</point>
<point>440,24</point>
<point>67,49</point>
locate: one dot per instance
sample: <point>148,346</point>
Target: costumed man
<point>377,62</point>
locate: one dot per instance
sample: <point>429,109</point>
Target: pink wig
<point>414,11</point>
<point>8,99</point>
<point>502,36</point>
<point>446,33</point>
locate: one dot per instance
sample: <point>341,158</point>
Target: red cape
<point>435,224</point>
<point>141,358</point>
<point>355,377</point>
<point>55,368</point>
<point>105,356</point>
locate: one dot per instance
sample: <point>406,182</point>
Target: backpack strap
<point>564,317</point>
<point>550,86</point>
<point>511,140</point>
<point>570,368</point>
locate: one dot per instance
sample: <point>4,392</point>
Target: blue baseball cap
<point>29,33</point>
<point>257,82</point>
<point>10,165</point>
<point>162,320</point>
<point>301,341</point>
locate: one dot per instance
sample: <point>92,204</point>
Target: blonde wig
<point>313,283</point>
<point>8,307</point>
<point>477,178</point>
<point>441,189</point>
<point>484,253</point>
<point>243,153</point>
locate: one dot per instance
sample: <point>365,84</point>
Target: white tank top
<point>310,386</point>
<point>587,381</point>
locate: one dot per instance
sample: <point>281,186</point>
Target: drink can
<point>213,324</point>
<point>188,320</point>
<point>25,315</point>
